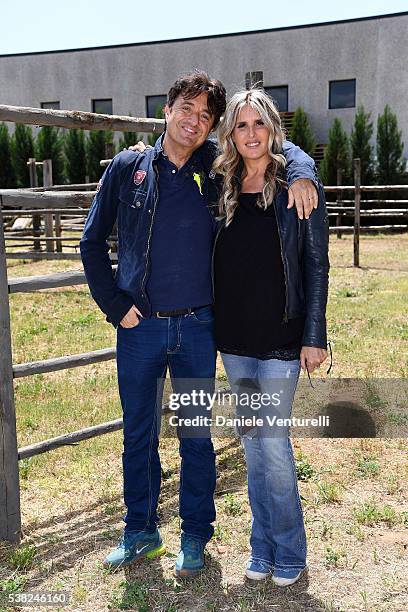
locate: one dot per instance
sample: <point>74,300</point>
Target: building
<point>328,69</point>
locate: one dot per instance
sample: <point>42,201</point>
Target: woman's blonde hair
<point>230,163</point>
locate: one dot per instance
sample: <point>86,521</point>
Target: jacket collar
<point>158,147</point>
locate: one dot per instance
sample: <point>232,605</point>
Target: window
<point>342,94</point>
<point>53,105</point>
<point>154,104</point>
<point>279,95</point>
<point>103,106</point>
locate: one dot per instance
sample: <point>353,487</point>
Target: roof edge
<point>210,36</point>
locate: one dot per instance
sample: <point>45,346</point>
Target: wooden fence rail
<point>48,281</point>
<point>79,119</point>
<point>62,363</point>
<point>49,200</point>
<point>80,212</point>
<point>69,439</point>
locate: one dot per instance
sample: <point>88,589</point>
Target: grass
<point>233,506</point>
<point>327,492</point>
<point>304,470</point>
<point>22,558</point>
<point>371,514</point>
<point>333,557</point>
<point>353,491</point>
<point>367,467</point>
<point>132,596</point>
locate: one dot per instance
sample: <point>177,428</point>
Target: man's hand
<point>139,147</point>
<point>303,194</point>
<point>131,319</point>
<point>313,356</point>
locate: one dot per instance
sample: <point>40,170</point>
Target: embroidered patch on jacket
<point>212,174</point>
<point>139,177</point>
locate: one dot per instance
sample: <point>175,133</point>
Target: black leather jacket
<point>304,249</point>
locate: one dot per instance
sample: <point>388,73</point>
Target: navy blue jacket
<point>128,194</point>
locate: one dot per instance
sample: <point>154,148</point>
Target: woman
<point>271,281</point>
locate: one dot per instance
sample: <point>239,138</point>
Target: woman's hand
<point>313,356</point>
<point>303,194</point>
<point>139,147</point>
<point>131,319</point>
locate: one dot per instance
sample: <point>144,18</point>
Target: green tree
<point>390,160</point>
<point>7,176</point>
<point>99,146</point>
<point>301,133</point>
<point>22,148</point>
<point>75,156</point>
<point>336,154</point>
<point>159,114</point>
<point>360,145</point>
<point>128,139</point>
<point>50,145</point>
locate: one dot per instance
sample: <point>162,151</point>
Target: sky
<point>49,25</point>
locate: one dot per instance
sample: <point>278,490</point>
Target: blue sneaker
<point>135,545</point>
<point>286,577</point>
<point>190,559</point>
<point>257,569</point>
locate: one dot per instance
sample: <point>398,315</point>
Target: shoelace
<point>329,369</point>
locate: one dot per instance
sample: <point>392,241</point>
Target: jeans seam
<point>181,471</point>
<point>292,460</point>
<point>149,464</point>
<point>266,561</point>
<point>290,566</point>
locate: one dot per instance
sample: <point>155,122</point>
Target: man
<point>160,301</point>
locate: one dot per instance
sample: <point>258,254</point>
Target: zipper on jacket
<point>156,199</point>
<point>285,314</point>
<point>212,259</point>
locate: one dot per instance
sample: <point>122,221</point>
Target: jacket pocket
<point>131,204</point>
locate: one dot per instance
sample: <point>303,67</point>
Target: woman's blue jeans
<point>278,535</point>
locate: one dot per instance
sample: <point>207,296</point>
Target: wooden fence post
<point>10,518</point>
<point>36,218</point>
<point>47,182</point>
<point>357,200</point>
<point>339,197</point>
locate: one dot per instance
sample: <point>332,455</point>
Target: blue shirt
<point>182,237</point>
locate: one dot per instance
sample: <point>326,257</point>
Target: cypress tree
<point>22,148</point>
<point>96,146</point>
<point>360,145</point>
<point>336,154</point>
<point>7,176</point>
<point>128,139</point>
<point>50,145</point>
<point>75,157</point>
<point>301,133</point>
<point>390,160</point>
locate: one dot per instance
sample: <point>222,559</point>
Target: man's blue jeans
<point>185,345</point>
<point>278,535</point>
